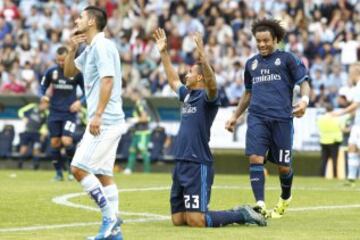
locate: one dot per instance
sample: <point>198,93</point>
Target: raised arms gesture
<point>172,76</point>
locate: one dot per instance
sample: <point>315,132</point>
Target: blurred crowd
<point>325,34</point>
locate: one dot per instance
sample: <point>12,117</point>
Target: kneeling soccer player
<point>193,173</point>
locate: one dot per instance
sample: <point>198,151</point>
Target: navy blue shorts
<point>64,127</point>
<point>29,138</point>
<point>271,137</point>
<point>191,188</point>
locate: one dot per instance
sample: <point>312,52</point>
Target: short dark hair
<point>61,50</point>
<point>271,25</point>
<point>100,16</point>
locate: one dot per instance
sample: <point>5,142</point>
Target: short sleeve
<point>247,77</point>
<point>80,61</point>
<point>181,92</point>
<point>105,61</point>
<point>213,102</point>
<point>297,69</point>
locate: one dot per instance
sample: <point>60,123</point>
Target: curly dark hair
<point>271,25</point>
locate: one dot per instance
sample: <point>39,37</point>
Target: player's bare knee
<point>78,173</point>
<point>55,142</point>
<point>66,141</point>
<point>195,220</point>
<point>284,169</point>
<point>256,159</point>
<point>178,219</point>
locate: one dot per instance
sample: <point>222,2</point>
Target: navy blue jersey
<point>197,116</point>
<point>271,80</point>
<point>64,91</point>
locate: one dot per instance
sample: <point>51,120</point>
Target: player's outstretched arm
<point>209,75</point>
<point>240,109</point>
<point>70,69</point>
<point>161,42</point>
<point>300,107</point>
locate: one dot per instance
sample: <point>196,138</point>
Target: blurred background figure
<point>331,136</point>
<point>34,116</point>
<point>141,136</point>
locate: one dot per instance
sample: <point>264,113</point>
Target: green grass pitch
<point>321,209</point>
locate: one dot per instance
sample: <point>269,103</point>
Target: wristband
<point>305,99</point>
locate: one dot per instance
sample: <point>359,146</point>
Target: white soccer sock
<point>112,195</point>
<point>93,187</point>
<point>353,165</point>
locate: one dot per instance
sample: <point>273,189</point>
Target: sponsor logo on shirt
<point>188,109</point>
<point>266,76</point>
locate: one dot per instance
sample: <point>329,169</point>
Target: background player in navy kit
<point>193,173</point>
<point>64,106</point>
<point>270,77</point>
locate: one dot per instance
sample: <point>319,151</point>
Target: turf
<point>321,209</point>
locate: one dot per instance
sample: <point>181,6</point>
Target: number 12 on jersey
<point>284,156</point>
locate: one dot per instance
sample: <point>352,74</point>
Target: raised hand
<point>199,45</point>
<point>160,38</point>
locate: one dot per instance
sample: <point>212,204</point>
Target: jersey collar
<point>97,37</point>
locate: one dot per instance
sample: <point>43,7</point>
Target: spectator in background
<point>5,27</point>
<point>330,131</point>
<point>141,137</point>
<point>13,86</point>
<point>348,46</point>
<point>29,78</point>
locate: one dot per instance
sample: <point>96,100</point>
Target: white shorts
<point>96,154</point>
<point>354,138</point>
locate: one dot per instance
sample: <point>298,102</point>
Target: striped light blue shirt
<point>101,59</point>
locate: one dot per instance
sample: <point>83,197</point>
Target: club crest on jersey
<point>55,74</point>
<point>254,64</point>
<point>277,62</point>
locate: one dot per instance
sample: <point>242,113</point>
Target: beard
<point>79,31</point>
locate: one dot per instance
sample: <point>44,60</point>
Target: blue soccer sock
<point>93,187</point>
<point>70,151</point>
<point>56,160</point>
<point>286,184</point>
<point>257,180</point>
<point>353,165</point>
<point>223,218</point>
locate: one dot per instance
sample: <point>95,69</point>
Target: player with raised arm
<point>94,158</point>
<point>354,139</point>
<point>64,106</point>
<point>193,173</point>
<point>270,77</point>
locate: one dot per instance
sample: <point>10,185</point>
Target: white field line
<point>149,217</point>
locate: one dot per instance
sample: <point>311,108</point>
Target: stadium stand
<point>324,34</point>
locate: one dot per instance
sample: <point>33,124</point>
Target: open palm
<point>160,38</point>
